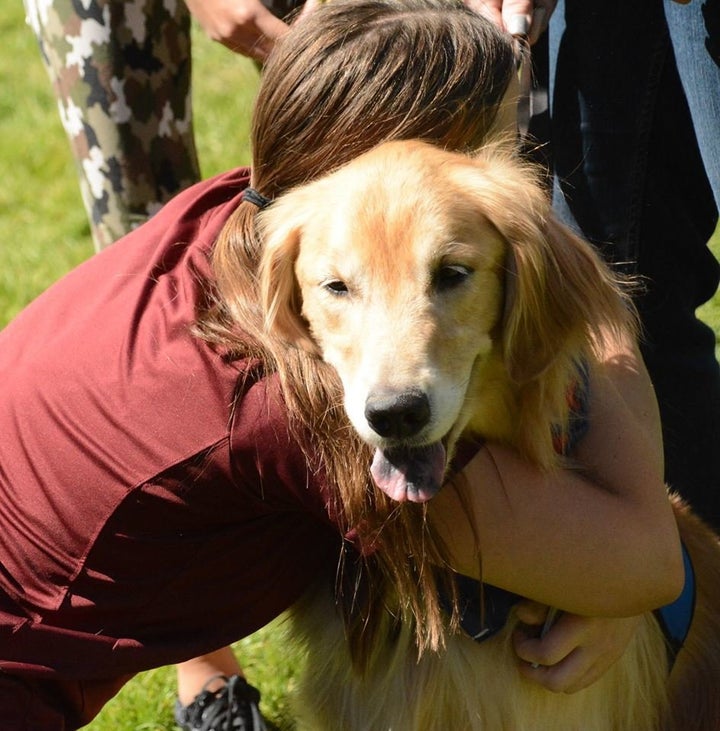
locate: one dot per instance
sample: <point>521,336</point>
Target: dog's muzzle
<point>402,470</point>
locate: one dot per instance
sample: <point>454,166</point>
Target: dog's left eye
<point>335,286</point>
<point>450,276</point>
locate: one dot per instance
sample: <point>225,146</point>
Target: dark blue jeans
<point>630,174</point>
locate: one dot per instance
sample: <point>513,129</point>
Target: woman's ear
<point>280,296</point>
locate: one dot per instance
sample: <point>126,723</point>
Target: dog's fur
<point>414,270</point>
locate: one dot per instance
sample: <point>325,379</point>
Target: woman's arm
<point>600,543</point>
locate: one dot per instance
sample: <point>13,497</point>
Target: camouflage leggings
<point>121,73</point>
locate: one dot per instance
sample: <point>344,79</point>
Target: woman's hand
<point>574,652</point>
<point>244,26</point>
<point>519,17</point>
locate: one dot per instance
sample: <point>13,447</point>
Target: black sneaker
<point>234,707</point>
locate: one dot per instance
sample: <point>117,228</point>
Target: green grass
<point>43,233</point>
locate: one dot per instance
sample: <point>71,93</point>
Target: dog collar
<point>484,609</point>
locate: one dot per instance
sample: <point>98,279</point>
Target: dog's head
<point>408,271</point>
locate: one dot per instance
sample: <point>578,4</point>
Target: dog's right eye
<point>450,276</point>
<point>335,287</point>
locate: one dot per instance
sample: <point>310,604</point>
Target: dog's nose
<point>397,415</point>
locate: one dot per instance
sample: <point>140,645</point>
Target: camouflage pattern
<point>121,73</point>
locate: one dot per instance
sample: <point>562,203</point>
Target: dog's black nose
<point>397,415</point>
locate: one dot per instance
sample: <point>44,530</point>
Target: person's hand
<point>574,652</point>
<point>244,26</point>
<point>519,17</point>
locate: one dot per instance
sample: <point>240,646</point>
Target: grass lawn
<point>43,233</point>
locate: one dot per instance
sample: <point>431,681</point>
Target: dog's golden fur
<point>415,268</point>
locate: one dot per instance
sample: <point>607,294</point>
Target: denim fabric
<point>695,35</point>
<point>630,176</point>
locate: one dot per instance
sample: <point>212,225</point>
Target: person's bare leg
<point>193,675</point>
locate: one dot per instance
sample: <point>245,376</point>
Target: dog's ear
<point>559,293</point>
<point>281,233</point>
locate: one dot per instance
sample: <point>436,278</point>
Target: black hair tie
<point>252,196</point>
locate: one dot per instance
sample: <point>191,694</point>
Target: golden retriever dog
<point>450,303</point>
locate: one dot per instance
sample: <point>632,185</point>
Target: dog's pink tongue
<point>410,474</point>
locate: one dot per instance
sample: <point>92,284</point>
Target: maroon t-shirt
<point>151,507</point>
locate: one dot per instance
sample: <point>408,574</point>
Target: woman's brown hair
<point>354,74</point>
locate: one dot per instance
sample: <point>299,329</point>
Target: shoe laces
<point>233,707</point>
